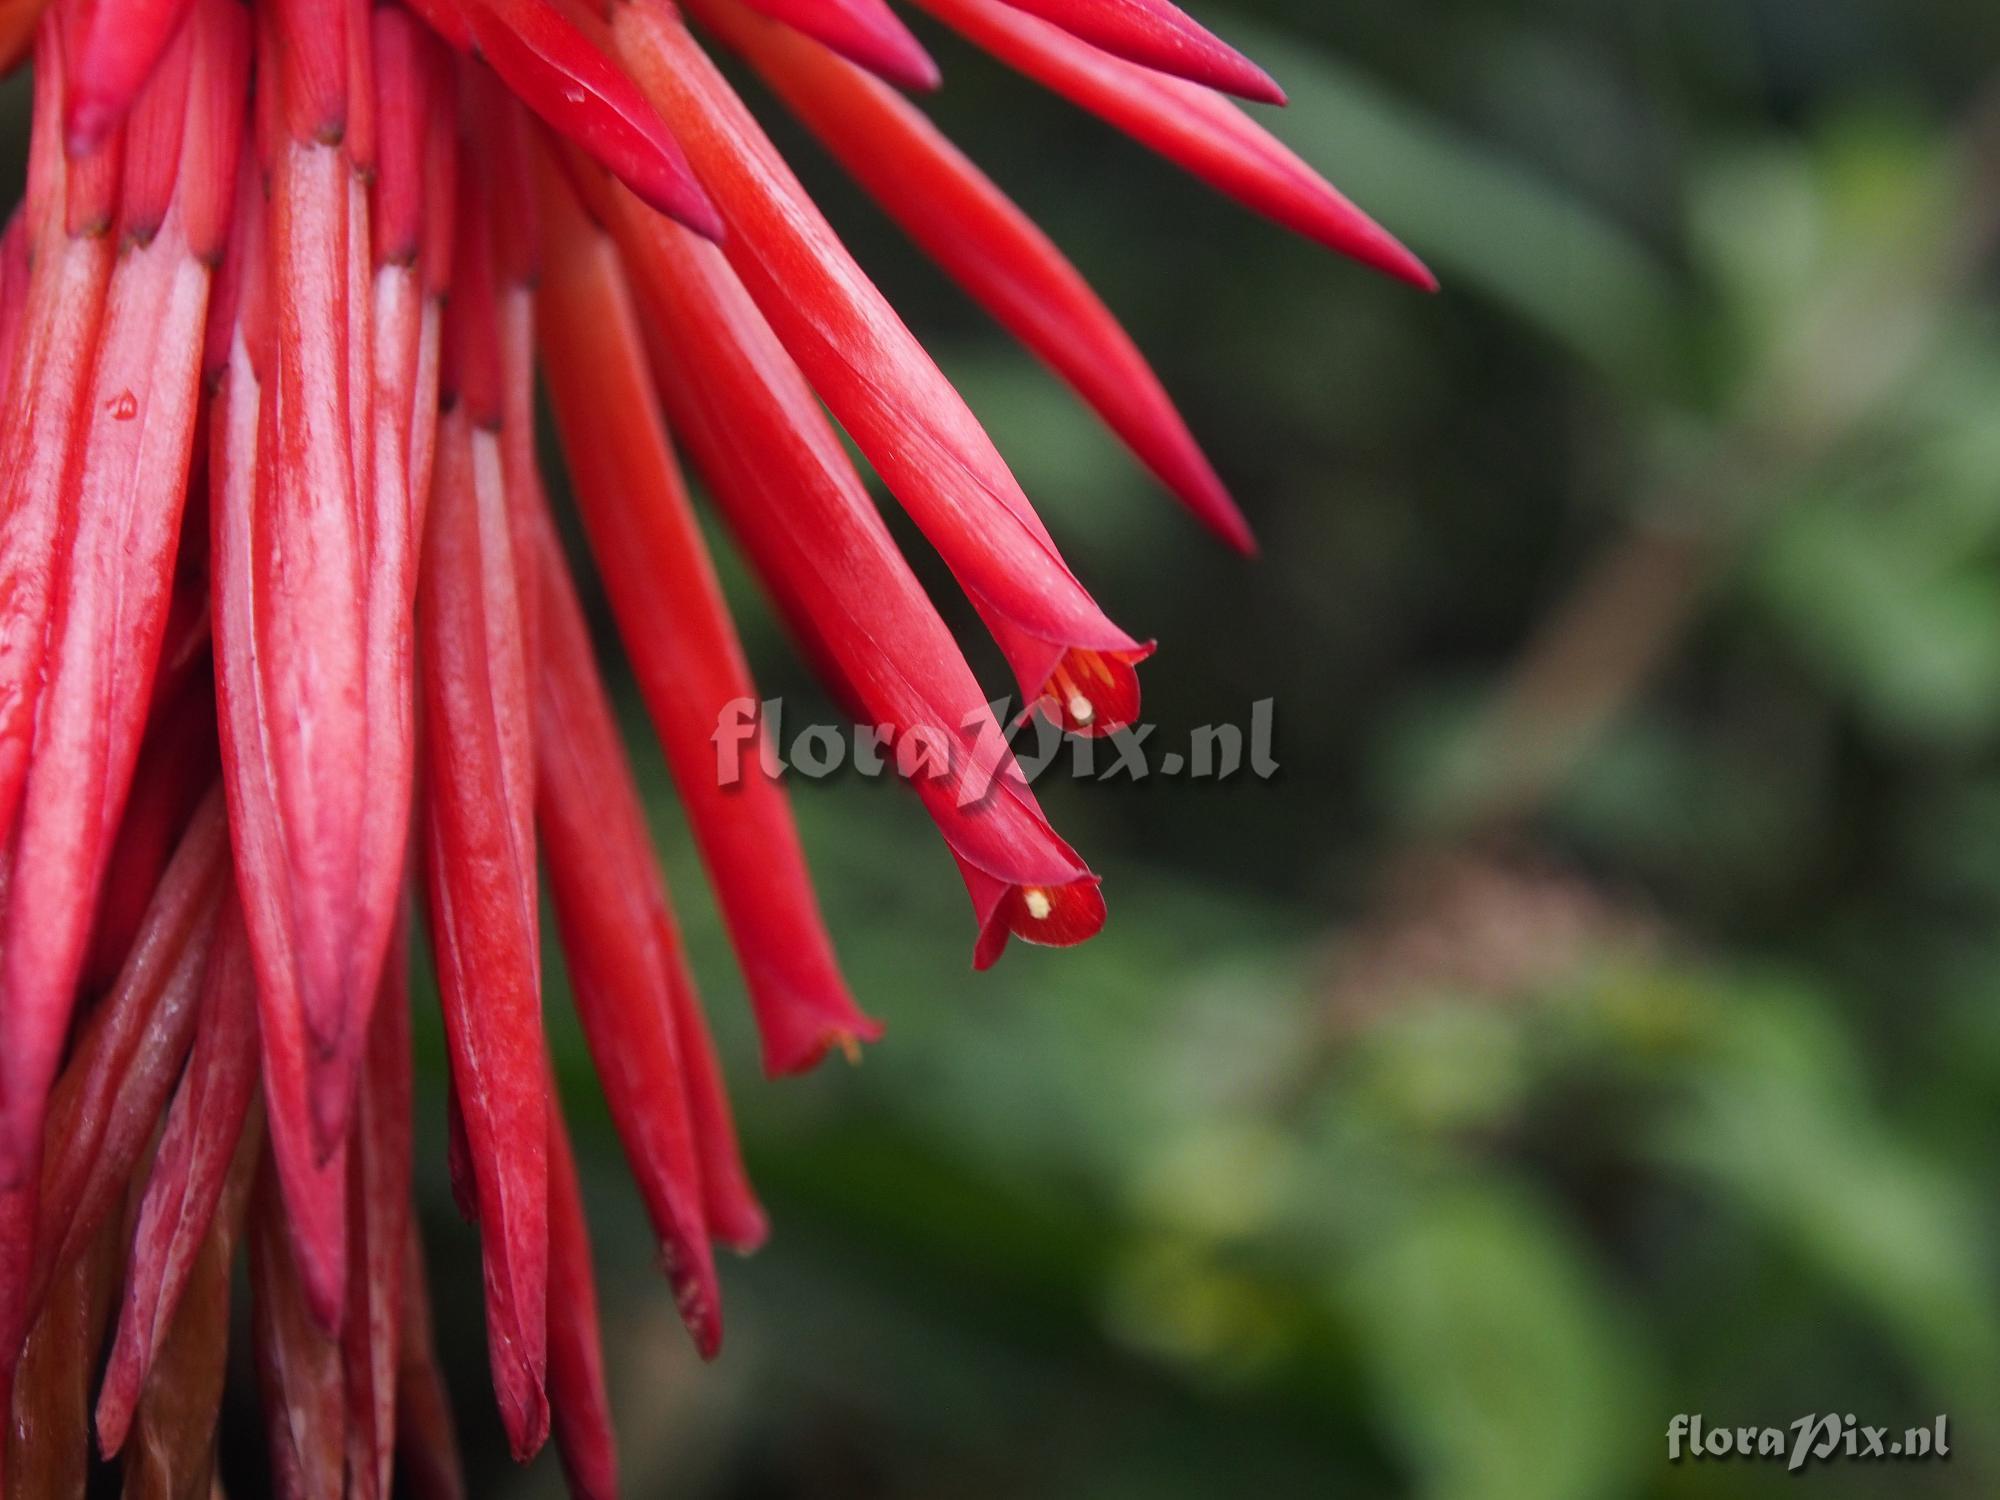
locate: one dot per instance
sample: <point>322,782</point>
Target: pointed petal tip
<point>686,203</point>
<point>1395,260</point>
<point>1248,81</point>
<point>918,73</point>
<point>1201,491</point>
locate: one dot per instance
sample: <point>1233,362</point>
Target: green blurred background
<point>1599,1018</point>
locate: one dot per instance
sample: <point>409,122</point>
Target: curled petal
<point>1054,917</point>
<point>1187,124</point>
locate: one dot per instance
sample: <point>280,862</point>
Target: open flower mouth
<point>290,653</point>
<point>1093,693</point>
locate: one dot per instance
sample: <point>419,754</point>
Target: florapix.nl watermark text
<point>1816,1438</point>
<point>754,736</point>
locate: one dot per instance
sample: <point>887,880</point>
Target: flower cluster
<point>290,655</point>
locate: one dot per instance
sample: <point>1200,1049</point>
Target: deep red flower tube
<point>689,661</point>
<point>287,633</point>
<point>793,498</point>
<point>41,420</point>
<point>604,876</point>
<point>130,1049</point>
<point>293,644</point>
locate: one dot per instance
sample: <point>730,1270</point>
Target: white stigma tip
<point>1081,709</point>
<point>1039,905</point>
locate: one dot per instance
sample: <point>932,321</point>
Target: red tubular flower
<point>287,633</point>
<point>690,664</point>
<point>124,491</point>
<point>870,369</point>
<point>301,785</point>
<point>609,899</point>
<point>479,842</point>
<point>794,500</point>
